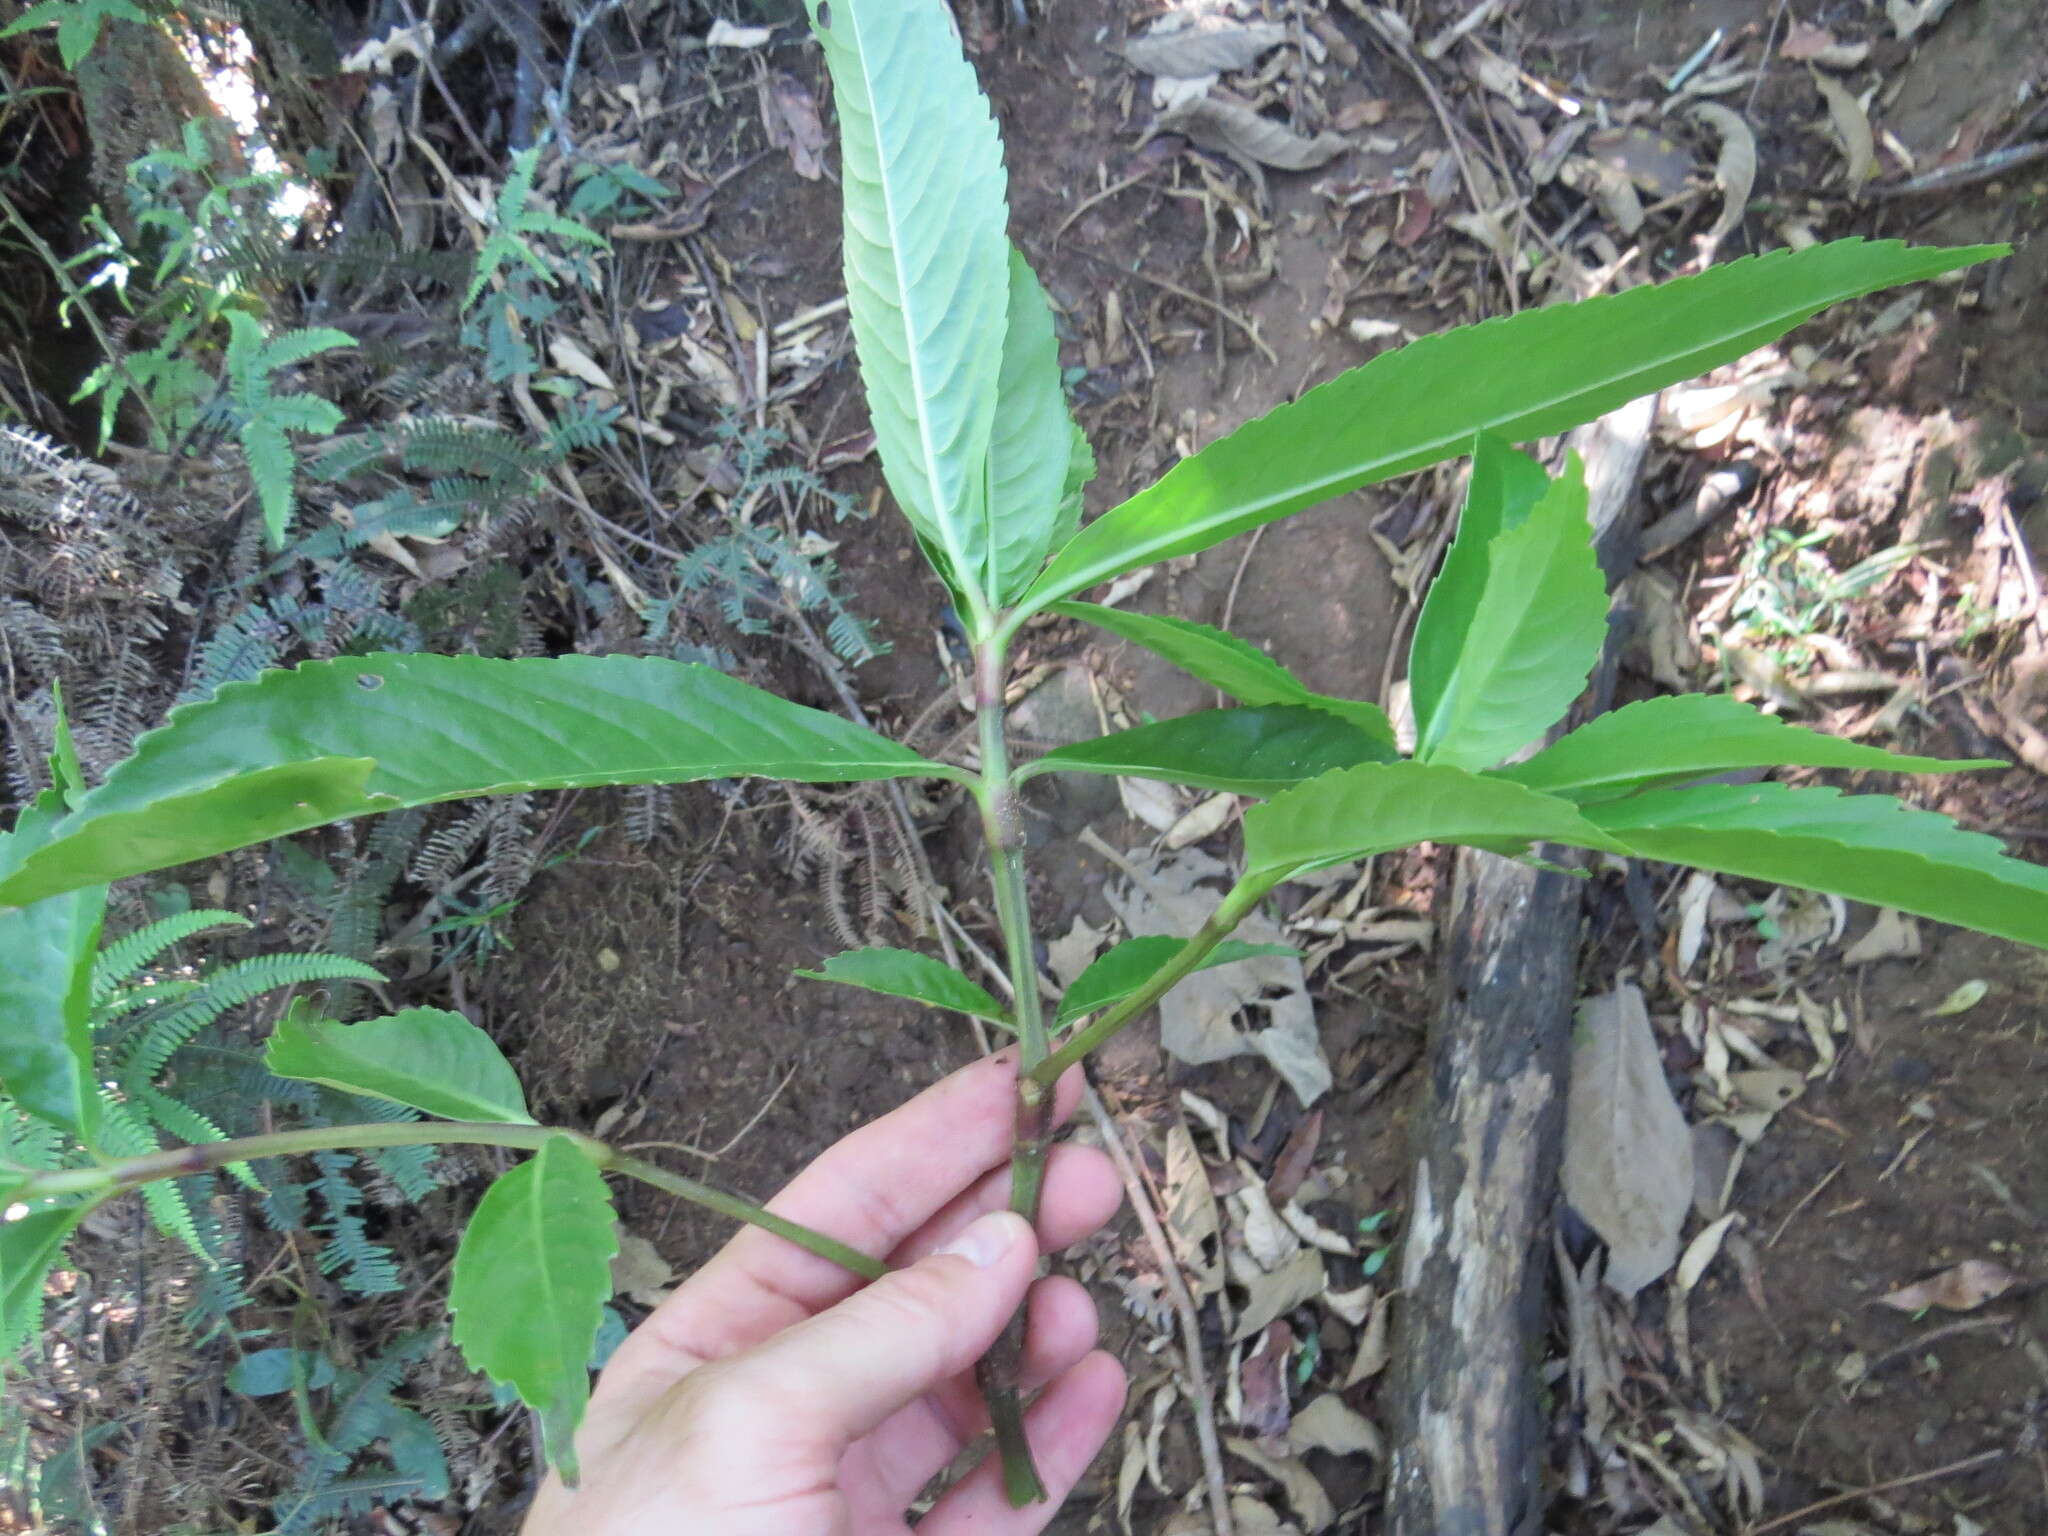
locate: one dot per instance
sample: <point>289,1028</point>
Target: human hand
<point>774,1394</point>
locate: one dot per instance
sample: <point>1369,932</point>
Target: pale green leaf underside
<point>1503,487</point>
<point>926,260</point>
<point>906,973</point>
<point>1226,662</point>
<point>1030,443</point>
<point>1382,806</point>
<point>1121,970</point>
<point>46,964</point>
<point>361,734</point>
<point>1689,736</point>
<point>1533,636</point>
<point>1522,377</point>
<point>1865,847</point>
<point>1257,751</point>
<point>532,1275</point>
<point>432,1059</point>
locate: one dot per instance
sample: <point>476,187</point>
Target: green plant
<point>961,370</point>
<point>78,23</point>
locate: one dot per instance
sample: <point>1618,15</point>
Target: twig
<point>1389,41</point>
<point>1805,1200</point>
<point>1763,68</point>
<point>1183,1306</point>
<point>1854,1494</point>
<point>1184,293</point>
<point>1237,580</point>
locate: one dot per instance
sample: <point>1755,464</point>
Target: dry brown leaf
<point>1192,1222</point>
<point>1206,45</point>
<point>1328,1424</point>
<point>1232,128</point>
<point>1894,936</point>
<point>1852,129</point>
<point>1734,170</point>
<point>1268,1296</point>
<point>1909,16</point>
<point>1962,999</point>
<point>639,1272</point>
<point>1304,1494</point>
<point>1806,43</point>
<point>1265,1410</point>
<point>1295,1159</point>
<point>1627,1152</point>
<point>790,116</point>
<point>1959,1289</point>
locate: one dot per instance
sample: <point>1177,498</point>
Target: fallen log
<point>1468,1432</point>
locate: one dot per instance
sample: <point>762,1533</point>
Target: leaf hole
<point>369,682</point>
<point>825,15</point>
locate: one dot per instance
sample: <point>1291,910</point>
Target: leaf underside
<point>532,1275</point>
<point>1031,443</point>
<point>46,965</point>
<point>29,1249</point>
<point>362,734</point>
<point>926,261</point>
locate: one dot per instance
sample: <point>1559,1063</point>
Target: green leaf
<point>29,1249</point>
<point>1228,663</point>
<point>66,773</point>
<point>296,346</point>
<point>1521,377</point>
<point>532,1275</point>
<point>1532,640</point>
<point>1121,970</point>
<point>1504,487</point>
<point>1865,847</point>
<point>1030,443</point>
<point>927,265</point>
<point>1665,741</point>
<point>46,962</point>
<point>906,973</point>
<point>1382,806</point>
<point>272,467</point>
<point>361,734</point>
<point>1256,751</point>
<point>434,1060</point>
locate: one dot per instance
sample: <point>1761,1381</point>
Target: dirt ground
<point>653,987</point>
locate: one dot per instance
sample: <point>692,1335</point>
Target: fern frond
<point>229,987</point>
<point>120,960</point>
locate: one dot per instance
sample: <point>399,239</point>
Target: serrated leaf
<point>430,1058</point>
<point>1532,639</point>
<point>906,973</point>
<point>1030,442</point>
<point>926,261</point>
<point>1226,662</point>
<point>46,961</point>
<point>30,1247</point>
<point>1258,751</point>
<point>1502,488</point>
<point>361,734</point>
<point>532,1275</point>
<point>1664,741</point>
<point>1123,968</point>
<point>1520,377</point>
<point>1865,847</point>
<point>1381,806</point>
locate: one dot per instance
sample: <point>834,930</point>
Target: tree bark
<point>1469,1433</point>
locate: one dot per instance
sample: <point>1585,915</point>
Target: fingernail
<point>986,1240</point>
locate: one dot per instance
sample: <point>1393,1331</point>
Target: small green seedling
<point>961,368</point>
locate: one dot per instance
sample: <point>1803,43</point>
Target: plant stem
<point>1236,905</point>
<point>1002,823</point>
<point>113,1178</point>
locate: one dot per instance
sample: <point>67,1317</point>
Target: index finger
<point>871,1190</point>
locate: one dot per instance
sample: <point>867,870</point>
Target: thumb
<point>841,1373</point>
